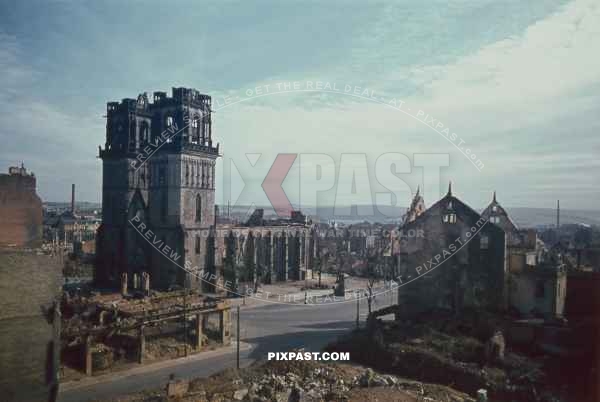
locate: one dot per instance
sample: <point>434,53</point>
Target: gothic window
<point>169,121</point>
<point>197,244</point>
<point>485,241</point>
<point>198,208</point>
<point>161,176</point>
<point>144,133</point>
<point>163,207</point>
<point>449,217</point>
<point>132,138</point>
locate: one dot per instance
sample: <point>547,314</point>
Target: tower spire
<point>449,188</point>
<point>418,190</point>
<point>494,200</point>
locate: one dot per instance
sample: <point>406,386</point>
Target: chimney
<point>73,198</point>
<point>557,215</point>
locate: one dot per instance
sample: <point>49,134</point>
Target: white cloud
<point>554,58</point>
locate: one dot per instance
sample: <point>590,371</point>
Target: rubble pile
<point>301,381</point>
<point>458,352</point>
<point>105,331</point>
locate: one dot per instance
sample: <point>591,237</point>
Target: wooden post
<point>199,330</point>
<point>224,326</point>
<point>124,283</point>
<point>142,345</point>
<point>185,323</point>
<point>238,339</point>
<point>88,355</point>
<point>146,283</point>
<point>357,312</point>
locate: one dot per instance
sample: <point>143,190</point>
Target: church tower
<point>158,166</point>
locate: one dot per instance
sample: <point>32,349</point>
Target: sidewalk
<point>145,368</point>
<point>289,292</point>
<point>262,298</point>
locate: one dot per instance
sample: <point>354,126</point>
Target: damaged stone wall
<point>29,284</point>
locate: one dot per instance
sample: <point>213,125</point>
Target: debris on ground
<point>301,381</point>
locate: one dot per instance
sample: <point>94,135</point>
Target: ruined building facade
<point>459,263</point>
<point>496,214</point>
<point>158,167</point>
<point>20,208</point>
<point>158,203</point>
<point>30,284</point>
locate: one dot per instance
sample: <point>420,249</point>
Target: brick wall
<point>20,210</point>
<point>28,285</point>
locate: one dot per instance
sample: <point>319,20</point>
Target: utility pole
<point>358,311</point>
<point>185,328</point>
<point>238,339</point>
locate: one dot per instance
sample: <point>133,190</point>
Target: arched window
<point>198,208</point>
<point>485,241</point>
<point>449,215</point>
<point>132,136</point>
<point>197,245</point>
<point>144,131</point>
<point>163,207</point>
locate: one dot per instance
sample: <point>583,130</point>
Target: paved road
<point>268,328</point>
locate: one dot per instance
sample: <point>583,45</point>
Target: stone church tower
<point>158,185</point>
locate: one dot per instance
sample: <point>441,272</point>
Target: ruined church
<point>158,203</point>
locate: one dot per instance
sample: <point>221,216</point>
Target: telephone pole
<point>358,311</point>
<point>238,339</point>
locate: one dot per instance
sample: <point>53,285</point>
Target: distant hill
<point>530,217</point>
<point>523,217</point>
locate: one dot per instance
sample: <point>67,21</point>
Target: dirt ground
<point>451,351</point>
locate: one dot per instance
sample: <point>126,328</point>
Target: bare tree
<point>373,275</point>
<point>322,263</point>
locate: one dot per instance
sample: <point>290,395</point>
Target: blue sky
<point>518,81</point>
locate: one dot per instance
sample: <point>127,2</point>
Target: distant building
<point>20,208</point>
<point>537,280</point>
<point>539,291</point>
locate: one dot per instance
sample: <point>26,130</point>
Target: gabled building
<point>417,207</point>
<point>459,262</point>
<point>536,279</point>
<point>496,214</point>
